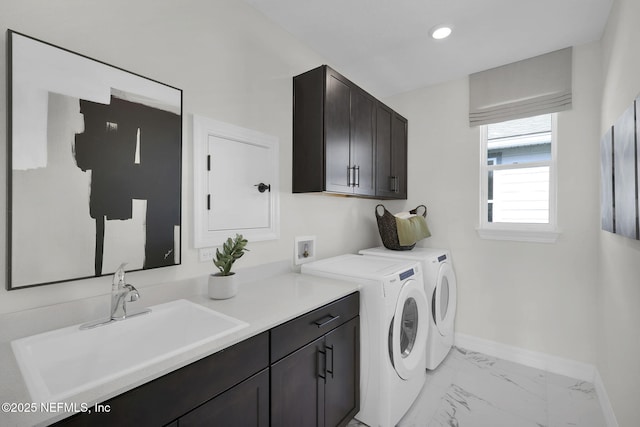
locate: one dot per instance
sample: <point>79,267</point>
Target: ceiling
<point>385,47</point>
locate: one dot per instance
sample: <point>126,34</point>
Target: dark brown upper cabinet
<point>391,154</point>
<point>335,134</point>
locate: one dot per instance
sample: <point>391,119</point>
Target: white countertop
<point>262,303</point>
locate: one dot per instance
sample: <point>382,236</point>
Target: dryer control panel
<point>406,274</point>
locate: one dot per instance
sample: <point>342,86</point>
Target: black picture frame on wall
<point>94,159</point>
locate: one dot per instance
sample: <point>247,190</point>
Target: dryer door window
<point>408,330</point>
<point>443,304</point>
<point>441,298</point>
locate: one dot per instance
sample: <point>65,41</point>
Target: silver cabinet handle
<point>357,170</point>
<point>395,183</point>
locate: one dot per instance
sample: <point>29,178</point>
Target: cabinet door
<point>399,154</point>
<point>362,142</point>
<point>385,180</point>
<point>342,391</point>
<point>297,391</point>
<point>391,154</point>
<point>246,404</point>
<point>337,133</point>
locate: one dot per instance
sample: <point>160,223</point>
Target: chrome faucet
<point>121,294</point>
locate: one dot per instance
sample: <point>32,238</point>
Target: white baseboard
<point>605,404</point>
<point>545,362</point>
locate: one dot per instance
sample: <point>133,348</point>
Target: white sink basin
<point>61,363</point>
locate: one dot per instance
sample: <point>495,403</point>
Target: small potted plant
<point>223,285</point>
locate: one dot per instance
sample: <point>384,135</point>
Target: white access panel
<point>237,168</point>
<point>231,166</point>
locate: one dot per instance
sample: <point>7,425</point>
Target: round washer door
<point>408,331</point>
<point>444,300</point>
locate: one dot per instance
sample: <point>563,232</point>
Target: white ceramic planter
<point>222,287</point>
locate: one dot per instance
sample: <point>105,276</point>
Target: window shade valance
<point>530,87</point>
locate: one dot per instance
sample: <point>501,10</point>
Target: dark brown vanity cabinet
<point>391,153</point>
<point>315,367</point>
<point>230,387</point>
<point>333,134</point>
<point>305,372</point>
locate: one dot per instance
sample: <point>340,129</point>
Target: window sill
<point>534,236</point>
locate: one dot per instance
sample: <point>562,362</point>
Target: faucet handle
<point>133,294</point>
<point>118,276</point>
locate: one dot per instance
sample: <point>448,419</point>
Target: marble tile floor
<point>470,389</point>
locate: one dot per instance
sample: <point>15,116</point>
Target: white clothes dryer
<point>393,331</point>
<point>441,290</point>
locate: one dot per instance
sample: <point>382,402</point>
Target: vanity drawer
<point>296,333</point>
<point>165,399</point>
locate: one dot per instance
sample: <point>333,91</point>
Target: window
<point>518,179</point>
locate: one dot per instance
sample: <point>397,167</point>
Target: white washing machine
<point>393,331</point>
<point>441,290</point>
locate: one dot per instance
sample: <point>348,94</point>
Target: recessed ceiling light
<point>441,32</point>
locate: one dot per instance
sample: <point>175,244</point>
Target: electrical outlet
<point>304,249</point>
<point>206,254</point>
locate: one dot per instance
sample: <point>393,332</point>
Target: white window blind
<point>531,87</point>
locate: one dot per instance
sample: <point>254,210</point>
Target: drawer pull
<point>320,323</point>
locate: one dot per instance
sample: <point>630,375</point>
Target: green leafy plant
<point>232,249</point>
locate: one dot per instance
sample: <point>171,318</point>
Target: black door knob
<point>262,187</point>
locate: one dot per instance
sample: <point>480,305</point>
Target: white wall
<point>233,65</point>
<point>618,339</point>
<point>535,296</point>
